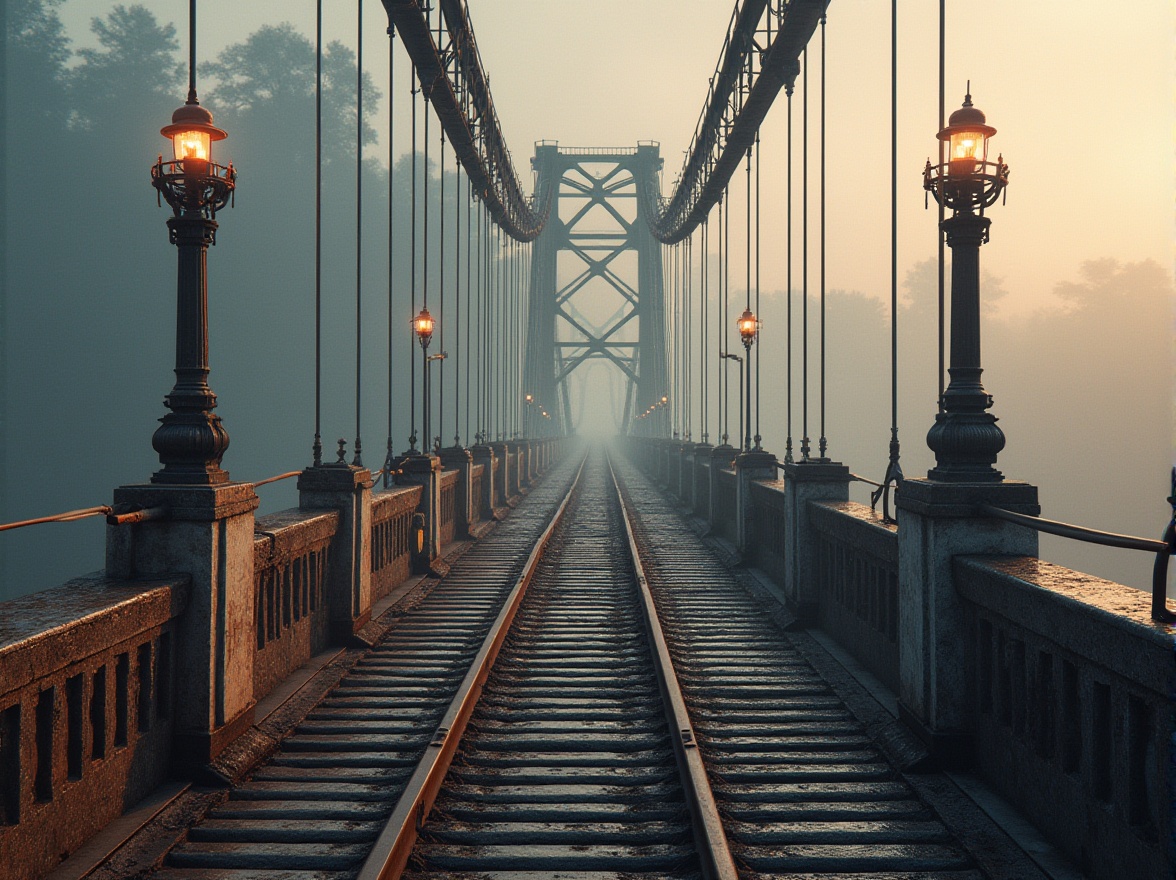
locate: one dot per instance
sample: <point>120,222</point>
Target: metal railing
<point>1163,548</point>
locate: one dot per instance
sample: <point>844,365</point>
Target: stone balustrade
<point>392,512</point>
<point>724,503</point>
<point>857,581</point>
<point>477,476</point>
<point>448,505</point>
<point>290,557</point>
<point>1070,695</point>
<point>88,686</point>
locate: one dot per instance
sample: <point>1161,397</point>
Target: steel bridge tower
<point>610,310</point>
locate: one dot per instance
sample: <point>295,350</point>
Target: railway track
<point>802,789</point>
<point>314,810</point>
<point>578,759</point>
<point>526,721</point>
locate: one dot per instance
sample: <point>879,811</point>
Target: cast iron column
<point>191,439</point>
<point>965,437</point>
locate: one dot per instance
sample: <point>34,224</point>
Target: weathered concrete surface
<point>290,569</point>
<point>392,511</point>
<point>804,482</point>
<point>1070,710</point>
<point>700,479</point>
<point>720,457</point>
<point>502,477</point>
<point>484,456</point>
<point>87,708</point>
<point>859,589</point>
<point>208,534</point>
<point>347,490</point>
<point>749,466</point>
<point>935,524</point>
<point>457,458</point>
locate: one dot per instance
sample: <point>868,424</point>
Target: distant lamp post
<point>424,325</point>
<point>191,440</point>
<point>965,438</point>
<point>748,328</point>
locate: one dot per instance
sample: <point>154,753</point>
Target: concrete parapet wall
<point>857,582</point>
<point>767,527</point>
<point>724,504</point>
<point>1070,685</point>
<point>392,511</point>
<point>290,557</point>
<point>702,481</point>
<point>87,700</point>
<point>448,506</point>
<point>477,478</point>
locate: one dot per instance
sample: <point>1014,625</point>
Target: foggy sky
<point>1082,102</point>
<point>1081,96</point>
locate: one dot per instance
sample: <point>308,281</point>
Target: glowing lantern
<point>192,134</point>
<point>747,326</point>
<point>423,327</point>
<point>967,136</point>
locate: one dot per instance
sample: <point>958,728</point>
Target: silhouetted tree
<point>38,49</point>
<point>134,79</point>
<point>266,84</point>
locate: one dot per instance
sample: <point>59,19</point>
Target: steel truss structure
<point>761,54</point>
<point>562,336</point>
<point>451,74</point>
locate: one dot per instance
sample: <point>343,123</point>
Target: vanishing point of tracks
<point>525,720</point>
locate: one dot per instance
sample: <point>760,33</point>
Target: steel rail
<point>733,112</point>
<point>455,83</point>
<point>392,848</point>
<point>713,849</point>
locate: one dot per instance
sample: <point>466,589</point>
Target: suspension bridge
<point>520,654</point>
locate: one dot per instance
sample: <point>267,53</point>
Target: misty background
<point>1080,366</point>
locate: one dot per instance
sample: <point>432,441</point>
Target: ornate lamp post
<point>748,329</point>
<point>423,325</point>
<point>965,437</point>
<point>191,440</point>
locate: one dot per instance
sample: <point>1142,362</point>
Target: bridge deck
<point>567,768</point>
